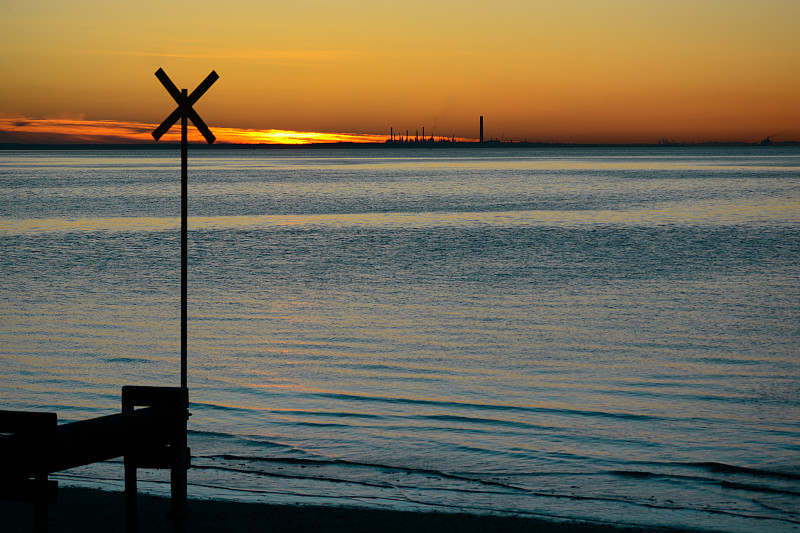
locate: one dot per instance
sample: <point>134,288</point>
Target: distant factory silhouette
<point>400,138</point>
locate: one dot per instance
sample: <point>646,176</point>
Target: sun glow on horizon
<point>83,131</point>
<point>273,136</point>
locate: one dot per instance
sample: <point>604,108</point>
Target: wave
<point>708,466</point>
<point>135,360</point>
<point>478,479</point>
<point>639,474</point>
<point>342,462</point>
<point>733,469</point>
<point>758,488</point>
<point>481,407</point>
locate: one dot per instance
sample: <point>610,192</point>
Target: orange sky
<point>568,71</point>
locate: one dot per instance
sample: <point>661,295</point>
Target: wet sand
<point>89,511</point>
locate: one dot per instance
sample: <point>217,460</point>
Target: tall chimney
<point>481,128</point>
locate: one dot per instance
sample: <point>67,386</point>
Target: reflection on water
<point>773,212</point>
<point>573,333</point>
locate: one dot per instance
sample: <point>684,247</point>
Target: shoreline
<point>94,510</point>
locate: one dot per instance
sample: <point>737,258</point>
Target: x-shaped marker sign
<point>185,104</point>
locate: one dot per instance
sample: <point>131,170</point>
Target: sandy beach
<point>88,511</point>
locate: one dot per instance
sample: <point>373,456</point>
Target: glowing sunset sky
<point>570,71</point>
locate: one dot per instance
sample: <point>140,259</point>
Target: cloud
<point>59,130</point>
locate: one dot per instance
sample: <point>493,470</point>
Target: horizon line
<point>443,144</point>
<point>21,130</point>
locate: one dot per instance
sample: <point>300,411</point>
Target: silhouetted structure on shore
<point>151,437</point>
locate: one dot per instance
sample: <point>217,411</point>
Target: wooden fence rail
<point>151,437</point>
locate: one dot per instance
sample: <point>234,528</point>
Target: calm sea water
<point>602,334</point>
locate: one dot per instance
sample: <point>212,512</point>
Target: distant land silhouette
<point>389,145</point>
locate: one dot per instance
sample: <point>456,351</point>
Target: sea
<point>601,334</point>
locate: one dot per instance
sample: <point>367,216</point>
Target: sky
<point>552,71</point>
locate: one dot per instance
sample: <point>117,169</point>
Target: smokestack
<point>481,128</point>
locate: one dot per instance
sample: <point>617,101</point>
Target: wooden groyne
<point>153,436</point>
